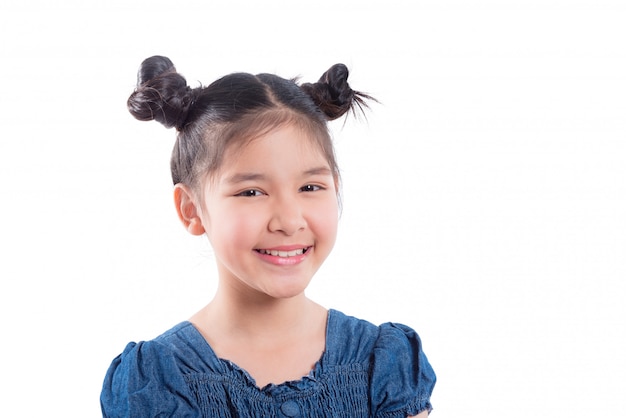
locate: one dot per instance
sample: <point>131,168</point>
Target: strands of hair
<point>202,115</point>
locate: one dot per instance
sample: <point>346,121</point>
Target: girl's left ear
<point>187,210</point>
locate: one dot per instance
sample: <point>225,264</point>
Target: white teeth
<point>293,253</point>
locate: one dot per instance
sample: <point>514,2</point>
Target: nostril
<point>287,223</point>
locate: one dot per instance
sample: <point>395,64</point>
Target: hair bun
<point>162,94</point>
<point>332,93</point>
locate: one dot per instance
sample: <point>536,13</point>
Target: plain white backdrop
<point>484,198</point>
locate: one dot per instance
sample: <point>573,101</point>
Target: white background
<point>484,198</point>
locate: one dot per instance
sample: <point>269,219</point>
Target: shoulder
<point>350,337</point>
<point>150,375</point>
<point>362,338</point>
<point>401,377</point>
<point>398,341</point>
<point>179,345</point>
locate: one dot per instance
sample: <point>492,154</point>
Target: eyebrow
<point>322,170</point>
<point>243,177</point>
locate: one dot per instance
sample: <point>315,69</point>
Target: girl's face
<point>271,213</point>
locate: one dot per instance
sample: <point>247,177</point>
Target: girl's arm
<point>423,414</point>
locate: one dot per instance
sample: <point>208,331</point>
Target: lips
<point>283,253</point>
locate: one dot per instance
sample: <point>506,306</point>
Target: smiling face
<point>271,213</point>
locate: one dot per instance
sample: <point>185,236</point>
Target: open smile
<point>286,254</point>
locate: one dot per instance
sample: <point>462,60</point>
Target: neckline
<point>226,365</point>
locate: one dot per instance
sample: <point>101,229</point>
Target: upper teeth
<point>283,253</point>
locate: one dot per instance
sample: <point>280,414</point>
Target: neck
<point>260,315</point>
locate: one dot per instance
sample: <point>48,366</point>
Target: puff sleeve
<point>402,379</point>
<point>146,381</point>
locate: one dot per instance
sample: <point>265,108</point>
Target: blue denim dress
<point>365,371</point>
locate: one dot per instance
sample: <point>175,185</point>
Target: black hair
<point>236,107</point>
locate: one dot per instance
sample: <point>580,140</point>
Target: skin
<point>276,193</point>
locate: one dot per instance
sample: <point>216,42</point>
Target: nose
<point>287,216</point>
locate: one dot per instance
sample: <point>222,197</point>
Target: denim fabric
<point>365,371</point>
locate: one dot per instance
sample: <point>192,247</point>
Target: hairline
<point>237,136</point>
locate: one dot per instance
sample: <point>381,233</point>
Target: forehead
<point>284,147</point>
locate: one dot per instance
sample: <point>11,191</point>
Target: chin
<point>288,291</point>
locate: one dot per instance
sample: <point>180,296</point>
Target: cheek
<point>235,227</point>
<point>325,220</point>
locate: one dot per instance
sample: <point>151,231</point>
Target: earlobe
<point>187,210</point>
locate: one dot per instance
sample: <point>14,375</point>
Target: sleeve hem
<point>410,410</point>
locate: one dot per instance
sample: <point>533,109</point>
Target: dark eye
<point>249,193</point>
<point>310,188</point>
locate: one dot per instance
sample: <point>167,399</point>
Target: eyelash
<point>250,193</point>
<point>254,193</point>
<point>312,188</point>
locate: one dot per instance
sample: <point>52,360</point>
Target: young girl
<point>254,170</point>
